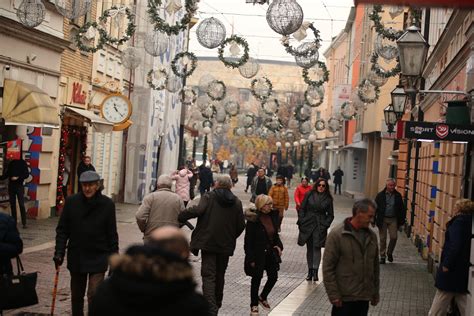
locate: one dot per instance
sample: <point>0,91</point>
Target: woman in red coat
<point>301,191</point>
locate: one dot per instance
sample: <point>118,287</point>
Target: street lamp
<point>278,144</point>
<point>295,153</point>
<point>398,101</point>
<point>206,130</point>
<point>302,143</point>
<point>412,52</point>
<point>311,139</point>
<point>390,118</point>
<point>287,146</point>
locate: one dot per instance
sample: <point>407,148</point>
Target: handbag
<point>18,290</point>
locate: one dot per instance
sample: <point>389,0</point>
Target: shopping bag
<point>18,290</point>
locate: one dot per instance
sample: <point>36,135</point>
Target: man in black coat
<point>338,174</point>
<point>88,227</point>
<point>205,179</point>
<point>11,244</point>
<point>251,173</point>
<point>84,165</point>
<point>17,172</point>
<point>220,222</point>
<point>390,215</point>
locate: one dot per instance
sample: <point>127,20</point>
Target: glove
<point>58,260</point>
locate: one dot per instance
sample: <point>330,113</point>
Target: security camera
<point>7,67</point>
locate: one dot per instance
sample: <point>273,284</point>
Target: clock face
<point>116,109</point>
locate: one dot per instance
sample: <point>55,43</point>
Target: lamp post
<point>287,146</point>
<point>390,117</point>
<point>311,139</point>
<point>302,143</point>
<point>295,153</point>
<point>278,144</point>
<point>194,147</point>
<point>398,101</point>
<point>206,130</point>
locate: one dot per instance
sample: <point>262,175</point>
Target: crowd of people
<point>157,274</point>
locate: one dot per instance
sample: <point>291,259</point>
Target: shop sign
<point>436,131</point>
<point>78,95</point>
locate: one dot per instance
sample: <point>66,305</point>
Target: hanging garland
<point>239,41</point>
<point>188,72</point>
<point>306,53</point>
<point>149,79</point>
<point>379,71</point>
<point>80,34</point>
<point>162,26</point>
<point>317,83</point>
<point>363,98</point>
<point>380,28</point>
<point>65,132</point>
<point>128,32</point>
<point>213,97</point>
<point>261,98</point>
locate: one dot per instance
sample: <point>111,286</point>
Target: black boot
<point>310,275</point>
<point>315,275</point>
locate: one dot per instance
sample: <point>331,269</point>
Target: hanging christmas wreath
<point>162,26</point>
<point>300,115</point>
<point>83,30</point>
<point>239,41</point>
<point>320,125</point>
<point>380,28</point>
<point>269,87</point>
<point>149,79</point>
<point>310,100</point>
<point>187,72</point>
<point>305,53</point>
<point>316,83</point>
<point>111,13</point>
<point>363,97</point>
<point>345,114</point>
<point>216,90</point>
<point>188,95</point>
<point>381,72</point>
<point>273,124</point>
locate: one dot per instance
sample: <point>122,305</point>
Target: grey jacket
<point>253,187</point>
<point>350,269</point>
<point>158,209</point>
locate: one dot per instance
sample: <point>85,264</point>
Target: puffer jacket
<point>182,179</point>
<point>350,269</point>
<point>279,194</point>
<point>300,193</point>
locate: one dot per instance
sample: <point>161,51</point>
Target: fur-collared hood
<point>251,213</point>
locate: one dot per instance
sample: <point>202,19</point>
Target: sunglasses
<point>321,185</point>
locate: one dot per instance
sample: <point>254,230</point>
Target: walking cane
<point>55,290</point>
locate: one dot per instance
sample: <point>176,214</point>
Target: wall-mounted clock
<point>116,108</point>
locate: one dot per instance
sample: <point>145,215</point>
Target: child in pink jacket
<point>182,178</point>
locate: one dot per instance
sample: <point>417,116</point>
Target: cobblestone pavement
<point>407,288</point>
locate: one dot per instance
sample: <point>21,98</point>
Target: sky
<point>249,21</point>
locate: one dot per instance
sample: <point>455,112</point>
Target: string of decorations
<point>316,83</point>
<point>186,72</point>
<point>262,97</point>
<point>381,72</point>
<point>111,13</point>
<point>161,25</point>
<point>239,41</point>
<point>149,79</point>
<point>303,53</point>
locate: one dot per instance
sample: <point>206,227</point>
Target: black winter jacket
<point>11,244</point>
<point>89,231</point>
<point>400,208</point>
<point>16,168</point>
<point>220,222</point>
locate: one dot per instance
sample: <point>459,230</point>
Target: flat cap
<point>89,176</point>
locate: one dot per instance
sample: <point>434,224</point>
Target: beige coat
<point>350,269</point>
<point>158,209</point>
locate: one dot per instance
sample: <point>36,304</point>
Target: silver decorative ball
<point>131,58</point>
<point>156,43</point>
<point>334,124</point>
<point>386,48</point>
<point>285,16</point>
<point>305,127</point>
<point>72,9</point>
<point>239,131</point>
<point>231,107</point>
<point>289,135</point>
<point>221,115</point>
<point>173,84</point>
<point>207,123</point>
<point>249,69</point>
<point>273,123</point>
<point>203,102</point>
<point>211,33</point>
<point>31,13</point>
<point>270,106</point>
<point>307,62</point>
<point>375,79</point>
<point>209,112</point>
<point>305,113</point>
<point>204,82</point>
<point>293,124</point>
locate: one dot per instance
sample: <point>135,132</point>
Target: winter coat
<point>381,202</point>
<point>314,218</point>
<point>205,177</point>
<point>220,222</point>
<point>183,178</point>
<point>300,193</point>
<point>89,229</point>
<point>257,243</point>
<point>455,255</point>
<point>11,244</point>
<point>350,269</point>
<point>251,173</point>
<point>234,175</point>
<point>279,194</point>
<point>282,171</point>
<point>253,188</point>
<point>338,174</point>
<point>16,168</point>
<point>139,291</point>
<point>290,170</point>
<point>159,208</point>
<point>82,167</point>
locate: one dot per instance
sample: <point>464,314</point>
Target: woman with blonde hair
<point>453,272</point>
<point>263,249</point>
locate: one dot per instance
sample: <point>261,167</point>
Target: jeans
<point>14,193</point>
<point>213,266</point>
<point>78,289</point>
<point>356,308</point>
<point>336,186</point>
<point>313,254</point>
<point>272,277</point>
<point>390,224</point>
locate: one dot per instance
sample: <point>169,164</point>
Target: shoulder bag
<point>18,290</point>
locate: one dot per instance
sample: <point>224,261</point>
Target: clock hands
<point>116,110</point>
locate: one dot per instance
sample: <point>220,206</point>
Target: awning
<point>26,104</point>
<point>99,124</point>
<point>356,145</point>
